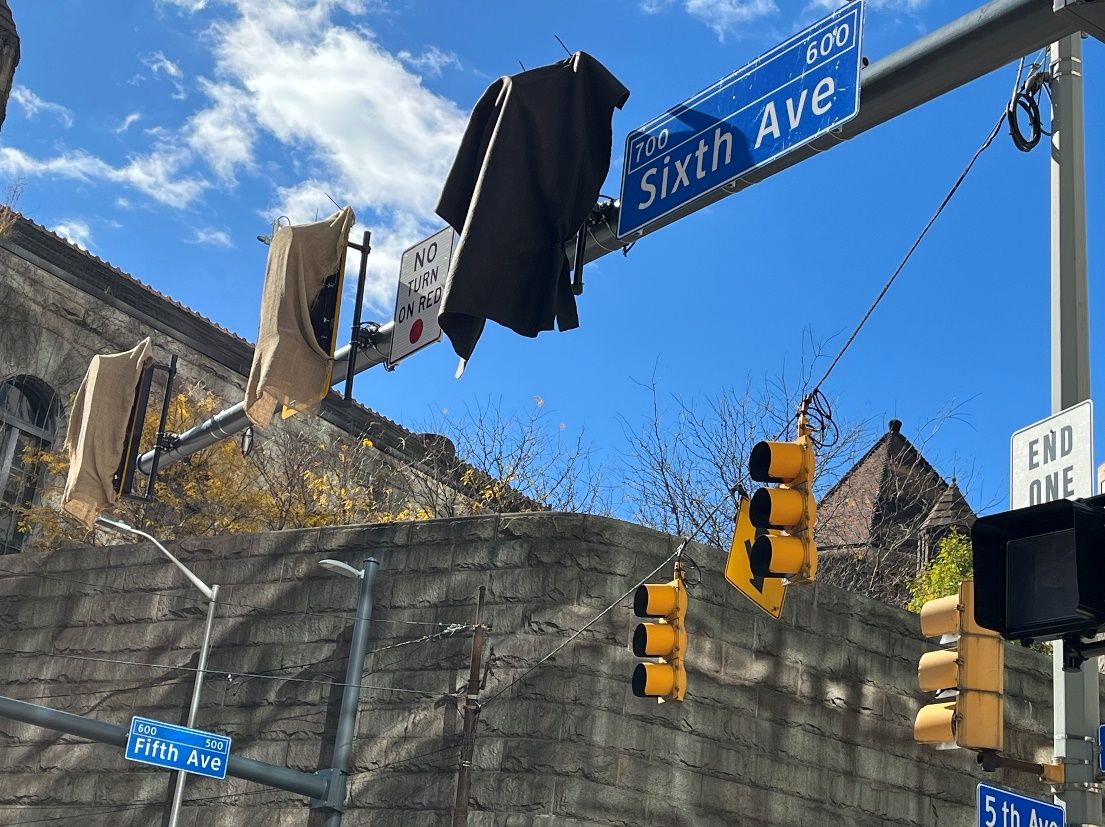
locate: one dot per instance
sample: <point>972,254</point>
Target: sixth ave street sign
<point>798,91</point>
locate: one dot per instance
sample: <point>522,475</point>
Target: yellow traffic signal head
<point>665,639</point>
<point>969,679</point>
<point>788,512</point>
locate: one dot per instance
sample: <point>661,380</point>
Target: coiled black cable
<point>1025,102</point>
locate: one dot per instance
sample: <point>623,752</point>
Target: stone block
<point>384,541</point>
<point>582,799</point>
<point>567,759</point>
<point>508,795</point>
<point>445,532</point>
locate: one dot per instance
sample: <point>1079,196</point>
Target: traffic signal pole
<point>979,42</point>
<point>1076,710</point>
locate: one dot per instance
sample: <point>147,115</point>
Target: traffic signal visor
<point>665,639</point>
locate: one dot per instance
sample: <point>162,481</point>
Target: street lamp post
<point>212,595</point>
<point>333,804</point>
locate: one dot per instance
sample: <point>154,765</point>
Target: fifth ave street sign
<point>798,91</point>
<point>1053,458</point>
<point>174,747</point>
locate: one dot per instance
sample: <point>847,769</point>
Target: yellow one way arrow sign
<point>766,592</point>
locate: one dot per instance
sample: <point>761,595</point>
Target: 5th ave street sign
<point>1001,808</point>
<point>787,97</point>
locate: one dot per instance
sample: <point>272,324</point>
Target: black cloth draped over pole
<point>528,172</point>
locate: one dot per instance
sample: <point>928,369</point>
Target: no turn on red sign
<point>422,274</point>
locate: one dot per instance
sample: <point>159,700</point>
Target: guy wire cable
<point>677,554</point>
<point>913,247</point>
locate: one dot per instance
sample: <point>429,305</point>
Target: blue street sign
<point>798,91</point>
<point>1100,741</point>
<point>178,748</point>
<point>1001,808</point>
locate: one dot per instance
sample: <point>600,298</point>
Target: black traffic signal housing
<point>1041,570</point>
<point>969,678</point>
<point>789,550</point>
<point>664,639</point>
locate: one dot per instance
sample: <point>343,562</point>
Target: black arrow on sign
<point>757,582</point>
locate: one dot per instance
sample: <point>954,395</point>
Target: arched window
<point>26,424</point>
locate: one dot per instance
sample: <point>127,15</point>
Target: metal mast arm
<point>965,49</point>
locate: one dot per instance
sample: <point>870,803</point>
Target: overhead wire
<point>228,603</point>
<point>675,555</point>
<point>913,247</point>
<point>217,673</point>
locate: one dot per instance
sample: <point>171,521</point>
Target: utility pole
<point>1075,694</point>
<point>471,715</point>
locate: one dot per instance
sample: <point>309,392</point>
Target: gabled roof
<point>951,509</point>
<point>883,498</point>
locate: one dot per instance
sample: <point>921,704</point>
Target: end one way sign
<point>177,748</point>
<point>1053,459</point>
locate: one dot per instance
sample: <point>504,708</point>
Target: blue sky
<point>165,135</point>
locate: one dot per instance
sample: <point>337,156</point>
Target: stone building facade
<point>60,305</point>
<point>803,721</point>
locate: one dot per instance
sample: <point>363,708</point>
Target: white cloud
<point>431,62</point>
<point>283,68</point>
<point>185,5</point>
<point>211,237</point>
<point>161,65</point>
<point>76,231</point>
<point>725,17</point>
<point>826,6</point>
<point>153,173</point>
<point>334,112</point>
<point>129,121</point>
<point>32,105</point>
<point>223,134</point>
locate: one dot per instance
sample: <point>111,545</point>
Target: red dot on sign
<point>416,331</point>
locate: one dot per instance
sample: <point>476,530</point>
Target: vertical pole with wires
<point>471,715</point>
<point>1076,712</point>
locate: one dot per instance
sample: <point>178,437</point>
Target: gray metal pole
<point>1076,710</point>
<point>312,785</point>
<point>979,42</point>
<point>334,803</point>
<point>197,688</point>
